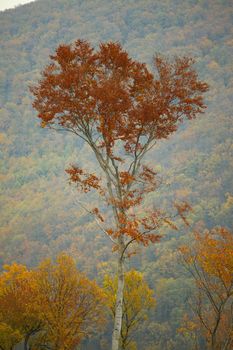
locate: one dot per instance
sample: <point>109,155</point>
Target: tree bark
<point>116,335</point>
<point>26,340</point>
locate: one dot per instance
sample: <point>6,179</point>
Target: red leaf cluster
<point>182,209</point>
<point>126,178</point>
<point>137,229</point>
<point>108,94</point>
<point>96,212</point>
<point>83,180</point>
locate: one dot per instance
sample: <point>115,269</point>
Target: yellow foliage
<point>54,302</point>
<point>210,260</point>
<point>17,290</point>
<point>229,202</point>
<point>4,139</point>
<point>43,124</point>
<point>215,254</point>
<point>213,65</point>
<point>71,305</point>
<point>8,336</point>
<point>138,300</point>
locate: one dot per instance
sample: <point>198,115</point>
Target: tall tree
<point>210,261</point>
<point>120,110</point>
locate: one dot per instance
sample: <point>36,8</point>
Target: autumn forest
<point>116,175</point>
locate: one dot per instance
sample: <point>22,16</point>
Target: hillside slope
<point>39,215</point>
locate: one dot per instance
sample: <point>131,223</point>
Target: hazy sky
<point>6,4</point>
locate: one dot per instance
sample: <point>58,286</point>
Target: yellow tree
<point>53,306</point>
<point>71,306</point>
<point>210,261</point>
<point>18,295</point>
<point>8,337</point>
<point>137,301</point>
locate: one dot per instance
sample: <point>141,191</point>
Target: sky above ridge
<point>7,4</point>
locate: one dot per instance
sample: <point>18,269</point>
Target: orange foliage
<point>18,301</point>
<point>82,179</point>
<point>54,305</point>
<point>118,107</point>
<point>210,261</point>
<point>71,305</point>
<point>115,95</point>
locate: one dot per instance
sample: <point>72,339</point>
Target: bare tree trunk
<point>116,335</point>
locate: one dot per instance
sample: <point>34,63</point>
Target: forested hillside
<point>40,216</point>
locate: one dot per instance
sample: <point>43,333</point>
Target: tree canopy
<point>210,261</point>
<point>53,306</point>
